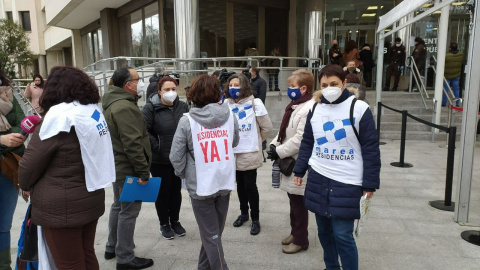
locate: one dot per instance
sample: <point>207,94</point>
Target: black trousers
<point>248,193</point>
<point>421,72</point>
<point>169,198</point>
<point>393,69</point>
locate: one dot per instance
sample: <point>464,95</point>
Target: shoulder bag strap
<point>351,118</point>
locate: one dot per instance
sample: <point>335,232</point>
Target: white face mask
<point>398,45</point>
<point>169,96</point>
<point>141,87</point>
<point>331,93</point>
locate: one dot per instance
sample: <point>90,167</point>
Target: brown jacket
<point>54,173</point>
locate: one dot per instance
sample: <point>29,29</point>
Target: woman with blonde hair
<point>286,144</point>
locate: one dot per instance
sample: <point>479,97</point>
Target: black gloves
<point>272,153</point>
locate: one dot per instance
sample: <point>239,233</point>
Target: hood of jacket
<point>212,115</point>
<point>115,93</point>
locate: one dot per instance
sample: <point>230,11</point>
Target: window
<point>9,16</point>
<point>25,17</point>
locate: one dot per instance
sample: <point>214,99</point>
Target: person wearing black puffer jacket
<point>162,114</point>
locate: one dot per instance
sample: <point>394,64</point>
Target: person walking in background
<point>342,156</point>
<point>259,85</point>
<point>209,181</point>
<point>286,144</point>
<point>68,200</point>
<point>351,69</point>
<point>33,92</point>
<point>273,72</point>
<point>453,70</point>
<point>396,65</point>
<point>251,51</point>
<point>419,55</point>
<point>11,142</point>
<point>255,126</point>
<point>366,56</point>
<point>162,114</point>
<point>334,54</point>
<point>133,155</point>
<point>351,53</point>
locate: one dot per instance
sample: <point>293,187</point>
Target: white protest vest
<point>93,135</point>
<point>337,153</point>
<point>247,124</point>
<point>214,159</point>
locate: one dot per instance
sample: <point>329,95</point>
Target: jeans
<point>272,78</point>
<point>336,237</point>
<point>211,214</point>
<point>8,203</point>
<point>454,84</point>
<point>169,198</point>
<point>121,226</point>
<point>248,193</point>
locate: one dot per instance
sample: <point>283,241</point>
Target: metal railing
<point>419,82</point>
<point>19,93</point>
<point>102,70</point>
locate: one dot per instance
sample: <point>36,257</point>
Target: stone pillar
<point>187,33</point>
<point>42,65</point>
<point>109,27</point>
<point>292,32</point>
<point>77,54</point>
<point>314,12</point>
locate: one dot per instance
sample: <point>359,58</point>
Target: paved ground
<point>402,232</point>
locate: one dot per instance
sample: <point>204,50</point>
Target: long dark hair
<point>5,80</point>
<point>245,88</point>
<point>41,79</point>
<point>68,84</point>
<point>351,44</point>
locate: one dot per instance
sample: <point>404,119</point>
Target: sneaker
<point>136,263</point>
<point>255,227</point>
<point>167,232</point>
<point>240,220</point>
<point>177,228</point>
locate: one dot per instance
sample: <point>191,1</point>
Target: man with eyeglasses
<point>133,155</point>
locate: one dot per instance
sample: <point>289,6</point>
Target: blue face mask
<point>294,93</point>
<point>234,92</point>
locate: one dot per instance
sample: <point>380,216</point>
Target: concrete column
<point>42,65</point>
<point>292,32</point>
<point>314,11</point>
<point>261,31</point>
<point>442,50</point>
<point>14,11</point>
<point>2,10</point>
<point>77,54</point>
<point>161,21</point>
<point>187,33</point>
<point>230,30</point>
<point>110,37</point>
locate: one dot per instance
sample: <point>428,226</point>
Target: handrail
<point>421,87</point>
<point>19,94</point>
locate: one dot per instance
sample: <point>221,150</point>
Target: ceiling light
<point>437,12</point>
<point>427,5</point>
<point>458,3</point>
<point>388,30</point>
<point>373,7</point>
<point>369,14</point>
<point>435,29</point>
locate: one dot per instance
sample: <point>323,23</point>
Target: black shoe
<point>255,227</point>
<point>276,89</point>
<point>177,228</point>
<point>240,220</point>
<point>394,89</point>
<point>109,255</point>
<point>386,89</point>
<point>406,90</point>
<point>137,263</point>
<point>167,232</point>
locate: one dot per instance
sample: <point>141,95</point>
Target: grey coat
<point>181,154</point>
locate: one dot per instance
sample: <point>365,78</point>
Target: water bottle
<point>275,175</point>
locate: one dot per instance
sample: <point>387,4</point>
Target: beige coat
<point>291,144</point>
<point>254,160</point>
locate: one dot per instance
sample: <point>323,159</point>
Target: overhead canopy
<point>401,10</point>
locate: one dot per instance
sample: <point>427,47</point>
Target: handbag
<point>286,165</point>
<point>9,166</point>
<point>28,244</point>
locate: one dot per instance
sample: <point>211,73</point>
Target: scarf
<point>282,133</point>
<point>6,98</point>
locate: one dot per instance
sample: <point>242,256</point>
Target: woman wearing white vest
<point>340,150</point>
<point>202,155</point>
<point>254,127</point>
<point>286,144</point>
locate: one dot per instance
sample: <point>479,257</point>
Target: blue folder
<point>133,191</point>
